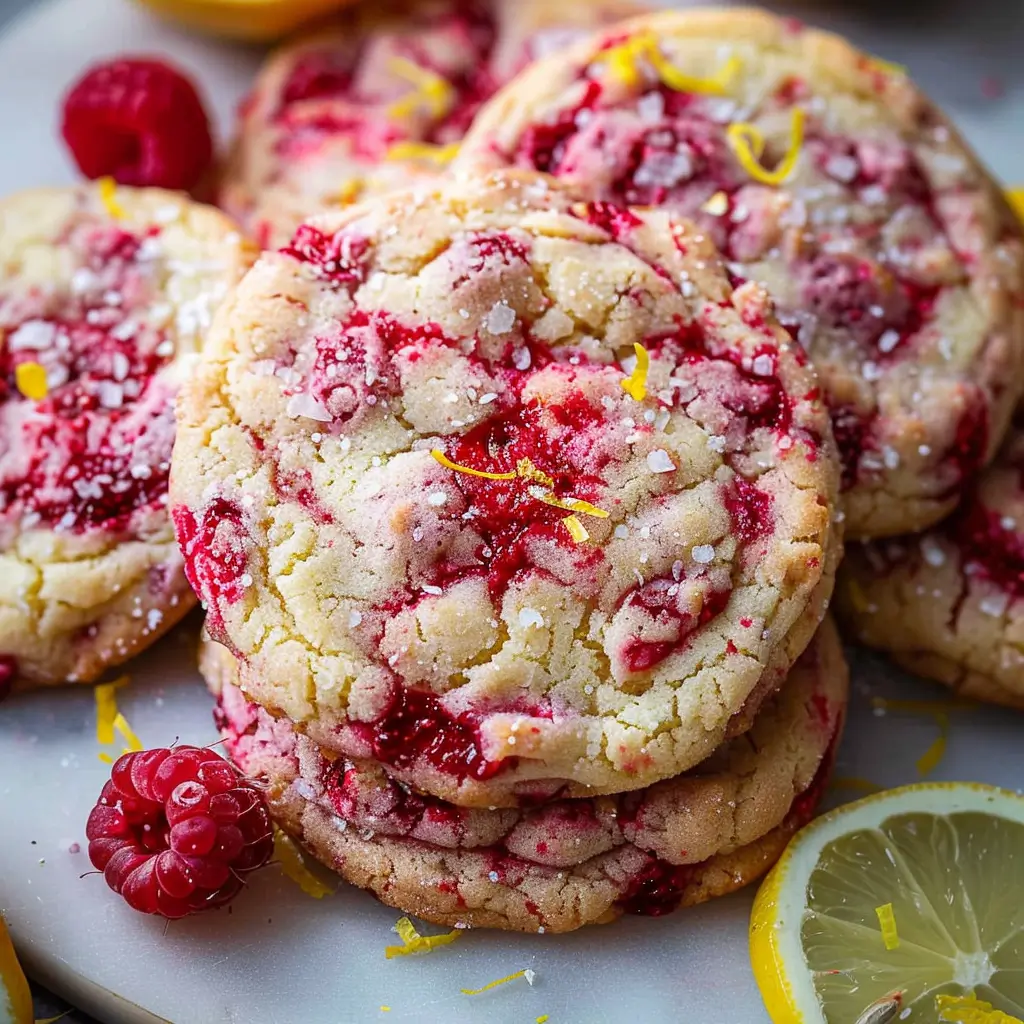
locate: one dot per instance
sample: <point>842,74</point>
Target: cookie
<point>564,864</point>
<point>947,604</point>
<point>826,176</point>
<point>104,297</point>
<point>380,100</point>
<point>505,489</point>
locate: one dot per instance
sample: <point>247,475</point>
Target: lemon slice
<point>881,907</point>
<point>15,998</point>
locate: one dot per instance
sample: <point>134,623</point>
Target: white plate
<point>280,957</point>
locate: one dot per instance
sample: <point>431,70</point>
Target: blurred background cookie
<point>105,294</point>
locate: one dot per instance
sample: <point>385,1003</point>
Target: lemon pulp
<point>955,883</point>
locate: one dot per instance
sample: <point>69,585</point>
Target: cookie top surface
<point>426,494</point>
<point>382,99</point>
<point>102,302</point>
<point>949,604</point>
<point>829,178</point>
<point>509,858</point>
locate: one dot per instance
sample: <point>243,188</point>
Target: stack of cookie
<point>515,499</point>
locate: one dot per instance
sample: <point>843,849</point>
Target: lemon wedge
<point>15,998</point>
<point>896,908</point>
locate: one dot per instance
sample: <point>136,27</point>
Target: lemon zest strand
<point>887,921</point>
<point>526,470</point>
<point>493,984</point>
<point>569,504</point>
<point>939,711</point>
<point>857,596</point>
<point>678,80</point>
<point>622,63</point>
<point>970,1010</point>
<point>1015,196</point>
<point>127,733</point>
<point>423,151</point>
<point>448,464</point>
<point>576,529</point>
<point>747,142</point>
<point>108,196</point>
<point>413,942</point>
<point>888,66</point>
<point>929,760</point>
<point>856,782</point>
<point>105,757</point>
<point>543,1018</point>
<point>287,854</point>
<point>30,377</point>
<point>635,385</point>
<point>106,709</point>
<point>349,191</point>
<point>431,90</point>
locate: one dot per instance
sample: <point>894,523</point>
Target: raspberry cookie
<point>564,864</point>
<point>103,296</point>
<point>830,179</point>
<point>947,604</point>
<point>382,100</point>
<point>495,486</point>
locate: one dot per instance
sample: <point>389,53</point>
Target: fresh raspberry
<point>139,121</point>
<point>175,831</point>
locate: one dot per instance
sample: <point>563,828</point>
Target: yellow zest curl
<point>441,155</point>
<point>105,758</point>
<point>747,142</point>
<point>1015,196</point>
<point>939,711</point>
<point>576,529</point>
<point>671,76</point>
<point>432,91</point>
<point>887,921</point>
<point>571,505</point>
<point>526,470</point>
<point>106,709</point>
<point>448,464</point>
<point>31,380</point>
<point>624,59</point>
<point>287,854</point>
<point>857,597</point>
<point>127,733</point>
<point>501,981</point>
<point>108,196</point>
<point>543,1018</point>
<point>887,66</point>
<point>855,782</point>
<point>413,942</point>
<point>970,1010</point>
<point>635,385</point>
<point>349,191</point>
